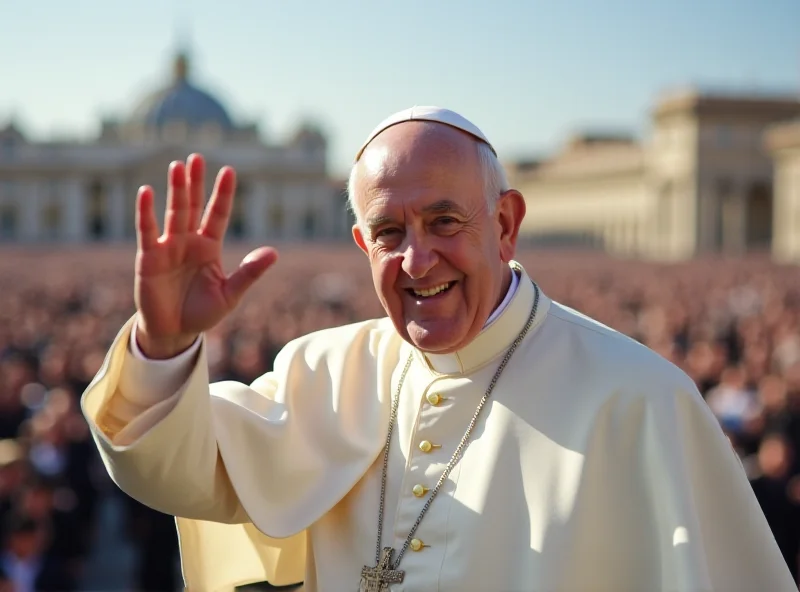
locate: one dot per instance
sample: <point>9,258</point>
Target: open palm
<point>181,288</point>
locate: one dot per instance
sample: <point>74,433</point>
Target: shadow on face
<point>439,253</point>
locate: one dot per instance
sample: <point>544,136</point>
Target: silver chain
<point>459,450</point>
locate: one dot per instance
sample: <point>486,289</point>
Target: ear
<point>509,212</point>
<point>358,237</point>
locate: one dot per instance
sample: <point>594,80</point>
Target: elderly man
<point>481,437</point>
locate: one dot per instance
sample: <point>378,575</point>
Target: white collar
<point>512,289</point>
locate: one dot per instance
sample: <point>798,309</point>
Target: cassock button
<point>419,490</point>
<point>426,446</point>
<point>417,545</point>
<point>434,398</point>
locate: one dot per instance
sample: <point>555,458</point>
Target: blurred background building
<point>68,192</point>
<point>717,173</point>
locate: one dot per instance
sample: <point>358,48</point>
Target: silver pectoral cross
<point>378,578</point>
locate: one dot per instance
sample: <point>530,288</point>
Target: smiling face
<point>439,257</point>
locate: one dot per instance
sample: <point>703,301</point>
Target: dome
<point>181,102</point>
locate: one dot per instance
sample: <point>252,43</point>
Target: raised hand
<point>181,289</point>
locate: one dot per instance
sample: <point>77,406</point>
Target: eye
<point>385,232</point>
<point>445,221</point>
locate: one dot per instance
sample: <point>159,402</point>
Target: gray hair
<point>495,181</point>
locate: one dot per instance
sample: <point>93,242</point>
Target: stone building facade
<point>703,181</point>
<point>69,192</point>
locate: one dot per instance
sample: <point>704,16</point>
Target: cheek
<point>384,272</point>
<point>471,257</point>
<point>465,252</point>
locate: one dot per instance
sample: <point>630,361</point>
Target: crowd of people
<point>732,325</point>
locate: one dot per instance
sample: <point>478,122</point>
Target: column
<point>72,203</point>
<point>687,194</point>
<point>619,233</point>
<point>29,197</point>
<point>274,214</point>
<point>637,236</point>
<point>783,214</point>
<point>786,212</point>
<point>709,208</point>
<point>295,201</point>
<point>790,198</point>
<point>255,212</point>
<point>326,209</point>
<point>116,212</point>
<point>627,237</point>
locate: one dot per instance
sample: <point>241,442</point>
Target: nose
<point>418,258</point>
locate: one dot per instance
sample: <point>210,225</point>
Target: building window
<point>758,216</point>
<point>8,221</point>
<point>7,147</point>
<point>97,211</point>
<point>309,224</point>
<point>6,189</point>
<point>724,194</point>
<point>51,220</point>
<point>237,226</point>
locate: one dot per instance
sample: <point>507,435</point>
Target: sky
<point>528,73</point>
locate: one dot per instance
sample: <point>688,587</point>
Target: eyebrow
<point>374,221</point>
<point>443,206</point>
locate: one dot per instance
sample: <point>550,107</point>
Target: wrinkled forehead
<point>417,155</point>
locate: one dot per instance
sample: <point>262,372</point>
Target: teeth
<point>432,291</point>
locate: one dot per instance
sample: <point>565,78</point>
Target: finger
<point>195,180</point>
<point>176,220</point>
<point>146,224</point>
<point>218,211</point>
<point>251,268</point>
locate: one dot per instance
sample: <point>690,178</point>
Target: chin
<point>434,338</point>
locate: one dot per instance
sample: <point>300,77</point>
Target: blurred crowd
<point>732,325</point>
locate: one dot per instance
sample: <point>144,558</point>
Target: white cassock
<point>595,467</point>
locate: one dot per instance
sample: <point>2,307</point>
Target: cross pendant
<point>378,578</point>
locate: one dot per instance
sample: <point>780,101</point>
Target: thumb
<point>250,269</point>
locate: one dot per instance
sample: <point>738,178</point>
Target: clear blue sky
<point>527,72</point>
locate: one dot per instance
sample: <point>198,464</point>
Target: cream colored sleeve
<point>147,390</point>
<point>278,453</point>
<point>152,426</point>
<point>704,504</point>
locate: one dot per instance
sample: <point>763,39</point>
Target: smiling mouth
<point>430,292</point>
